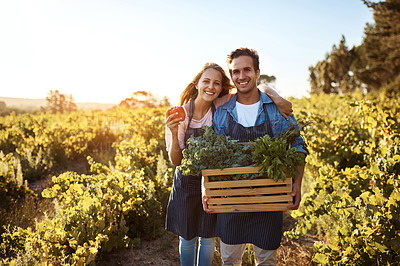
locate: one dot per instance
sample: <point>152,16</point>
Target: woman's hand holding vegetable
<point>173,117</point>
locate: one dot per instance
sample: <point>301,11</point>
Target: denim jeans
<point>205,252</point>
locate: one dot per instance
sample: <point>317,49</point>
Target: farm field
<point>91,187</point>
<point>36,104</point>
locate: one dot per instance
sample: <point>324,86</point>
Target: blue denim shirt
<point>278,122</point>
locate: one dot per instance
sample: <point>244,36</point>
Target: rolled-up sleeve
<point>279,124</point>
<point>299,144</point>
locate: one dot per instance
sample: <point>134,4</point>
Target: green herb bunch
<point>275,157</point>
<point>212,151</point>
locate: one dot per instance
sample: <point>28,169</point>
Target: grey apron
<point>263,229</point>
<point>185,215</point>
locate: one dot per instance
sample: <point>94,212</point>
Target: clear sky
<point>104,50</point>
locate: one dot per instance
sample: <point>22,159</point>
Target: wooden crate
<point>256,195</point>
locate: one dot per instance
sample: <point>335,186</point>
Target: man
<point>251,114</point>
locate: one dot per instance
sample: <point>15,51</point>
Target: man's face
<point>243,74</point>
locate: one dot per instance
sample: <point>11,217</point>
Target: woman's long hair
<point>191,92</point>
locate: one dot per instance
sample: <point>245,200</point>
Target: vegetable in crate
<point>212,151</point>
<point>275,157</point>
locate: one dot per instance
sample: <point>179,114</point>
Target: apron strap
<point>234,128</point>
<point>212,109</point>
<point>268,121</point>
<point>191,111</point>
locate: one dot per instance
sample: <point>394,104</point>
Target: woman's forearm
<point>175,152</point>
<point>284,106</point>
<point>271,93</point>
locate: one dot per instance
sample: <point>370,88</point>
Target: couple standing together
<point>245,116</point>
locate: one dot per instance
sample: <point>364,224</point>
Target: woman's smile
<point>210,85</point>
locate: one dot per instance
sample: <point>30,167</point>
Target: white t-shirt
<point>247,113</point>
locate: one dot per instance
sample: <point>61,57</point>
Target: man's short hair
<point>244,51</point>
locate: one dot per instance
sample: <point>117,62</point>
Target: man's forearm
<point>299,176</point>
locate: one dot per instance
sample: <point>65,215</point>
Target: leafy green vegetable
<point>274,156</point>
<point>212,151</point>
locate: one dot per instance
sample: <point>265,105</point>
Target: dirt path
<point>163,251</point>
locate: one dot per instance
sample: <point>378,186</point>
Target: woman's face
<point>209,85</point>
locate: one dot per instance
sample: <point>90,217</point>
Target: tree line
<point>57,102</point>
<point>372,65</point>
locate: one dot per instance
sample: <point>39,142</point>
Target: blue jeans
<point>205,253</point>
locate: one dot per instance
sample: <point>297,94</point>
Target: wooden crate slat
<point>230,171</point>
<point>251,208</point>
<point>248,191</point>
<point>245,183</point>
<point>258,195</point>
<point>255,199</point>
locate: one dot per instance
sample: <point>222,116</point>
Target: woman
<point>185,216</point>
